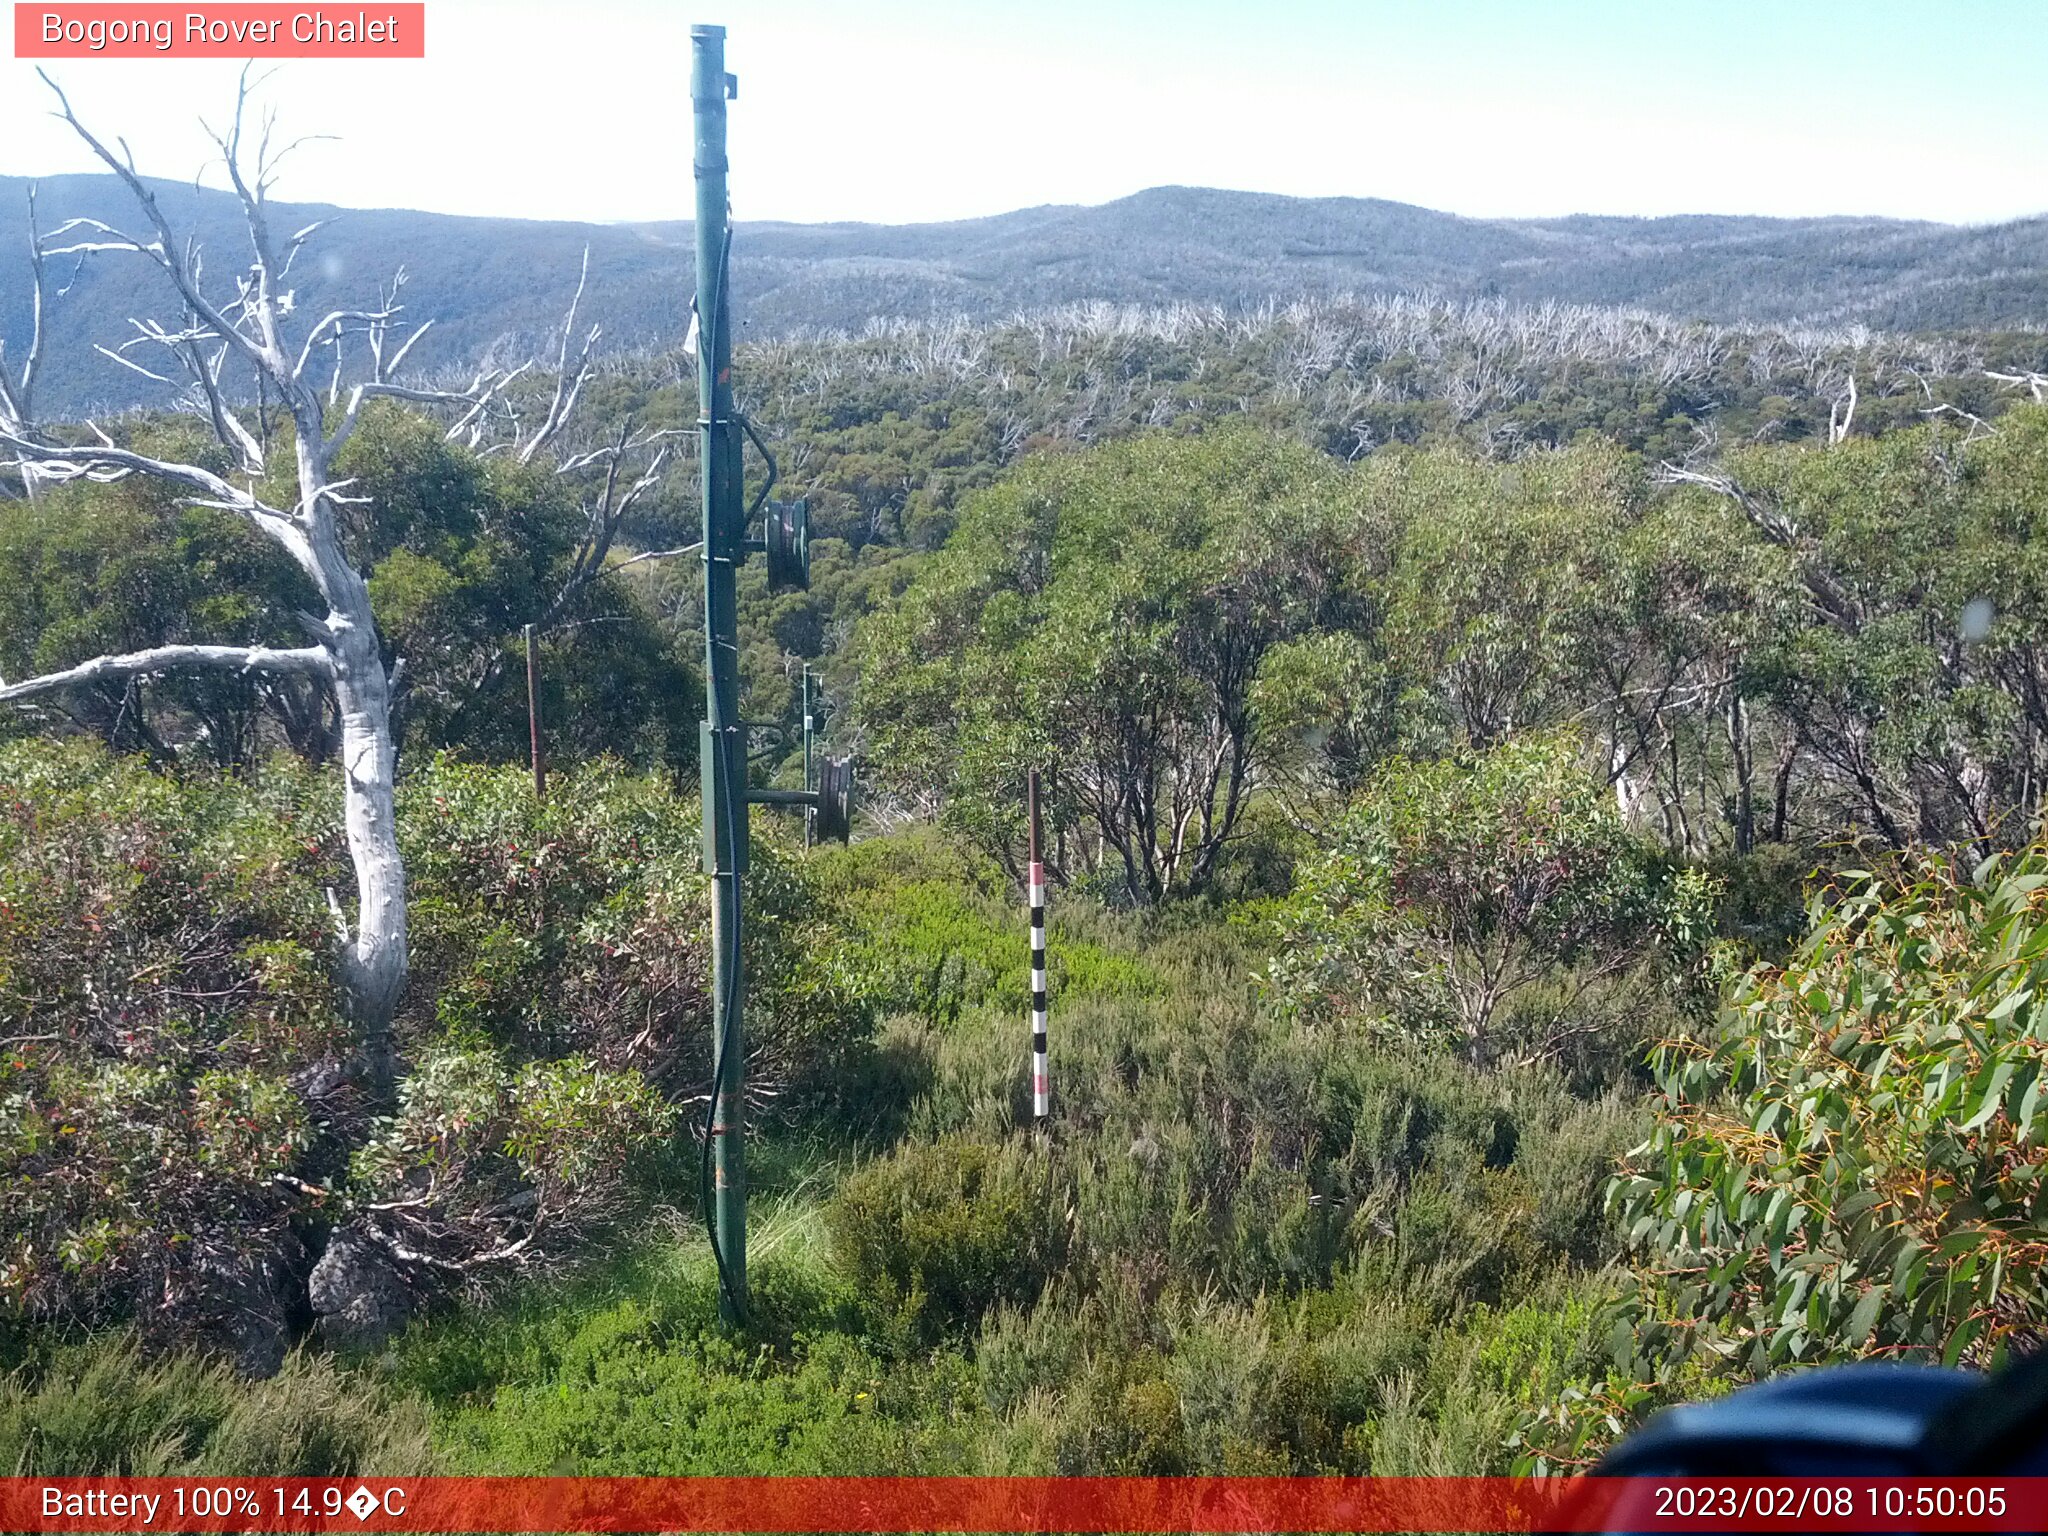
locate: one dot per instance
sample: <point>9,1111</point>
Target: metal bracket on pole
<point>829,806</point>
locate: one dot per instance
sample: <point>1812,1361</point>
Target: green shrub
<point>907,857</point>
<point>933,1236</point>
<point>1762,900</point>
<point>1208,1144</point>
<point>1021,1349</point>
<point>482,1161</point>
<point>104,1409</point>
<point>1462,891</point>
<point>164,980</point>
<point>580,925</point>
<point>1247,1393</point>
<point>177,1105</point>
<point>933,949</point>
<point>1191,1383</point>
<point>660,1388</point>
<point>1120,1416</point>
<point>1155,1430</point>
<point>1850,1164</point>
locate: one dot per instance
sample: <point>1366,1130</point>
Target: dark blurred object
<point>2001,1430</point>
<point>1871,1420</point>
<point>1867,1420</point>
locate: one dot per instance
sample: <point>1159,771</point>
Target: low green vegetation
<point>106,1409</point>
<point>1250,1242</point>
<point>1259,1239</point>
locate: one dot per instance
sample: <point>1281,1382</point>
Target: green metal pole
<point>808,818</point>
<point>721,741</point>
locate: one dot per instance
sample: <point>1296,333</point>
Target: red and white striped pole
<point>1041,1082</point>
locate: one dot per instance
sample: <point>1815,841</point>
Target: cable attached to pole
<point>1041,1076</point>
<point>729,934</point>
<point>707,1190</point>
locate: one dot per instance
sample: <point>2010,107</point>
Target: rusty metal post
<point>540,764</point>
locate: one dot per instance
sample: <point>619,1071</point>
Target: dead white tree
<point>1842,412</point>
<point>1837,604</point>
<point>2035,384</point>
<point>248,330</point>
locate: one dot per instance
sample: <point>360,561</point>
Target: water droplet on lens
<point>1978,613</point>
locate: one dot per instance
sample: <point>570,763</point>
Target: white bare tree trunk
<point>346,655</point>
<point>377,957</point>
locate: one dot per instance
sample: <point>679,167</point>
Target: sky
<point>900,111</point>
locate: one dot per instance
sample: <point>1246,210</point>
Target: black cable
<point>736,798</point>
<point>706,1187</point>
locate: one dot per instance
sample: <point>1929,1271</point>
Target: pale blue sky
<point>899,110</point>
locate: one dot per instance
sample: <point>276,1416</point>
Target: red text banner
<point>237,31</point>
<point>1022,1504</point>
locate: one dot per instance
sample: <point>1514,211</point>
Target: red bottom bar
<point>1022,1504</point>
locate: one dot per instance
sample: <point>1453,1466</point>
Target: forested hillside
<point>1542,805</point>
<point>889,434</point>
<point>496,282</point>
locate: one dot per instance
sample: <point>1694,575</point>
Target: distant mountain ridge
<point>500,284</point>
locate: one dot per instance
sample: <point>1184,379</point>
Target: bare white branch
<point>659,554</point>
<point>2035,383</point>
<point>569,380</point>
<point>1842,413</point>
<point>114,356</point>
<point>160,249</point>
<point>105,461</point>
<point>242,659</point>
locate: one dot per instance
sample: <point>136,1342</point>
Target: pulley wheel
<point>835,799</point>
<point>786,534</point>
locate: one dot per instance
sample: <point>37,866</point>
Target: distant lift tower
<point>722,740</point>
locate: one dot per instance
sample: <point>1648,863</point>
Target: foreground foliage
<point>1851,1164</point>
<point>108,1410</point>
<point>178,1133</point>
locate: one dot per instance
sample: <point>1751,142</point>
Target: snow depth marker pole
<point>1041,1083</point>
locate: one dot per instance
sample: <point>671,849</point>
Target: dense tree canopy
<point>1797,642</point>
<point>1104,616</point>
<point>464,550</point>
